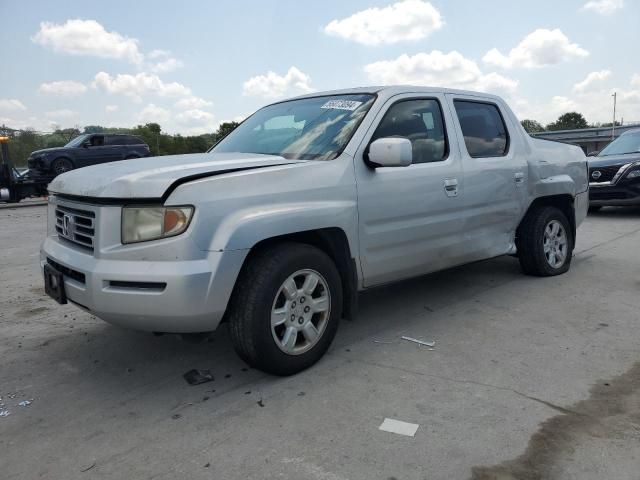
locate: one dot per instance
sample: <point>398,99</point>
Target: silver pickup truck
<point>277,228</point>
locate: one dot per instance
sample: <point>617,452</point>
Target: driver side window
<point>97,141</point>
<point>419,121</point>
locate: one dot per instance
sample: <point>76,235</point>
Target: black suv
<point>85,150</point>
<point>614,173</point>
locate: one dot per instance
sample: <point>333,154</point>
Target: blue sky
<point>191,65</point>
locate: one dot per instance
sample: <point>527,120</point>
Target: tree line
<point>566,121</point>
<point>23,142</point>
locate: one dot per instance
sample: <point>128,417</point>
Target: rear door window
<point>485,133</point>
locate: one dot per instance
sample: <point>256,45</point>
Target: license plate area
<point>54,284</point>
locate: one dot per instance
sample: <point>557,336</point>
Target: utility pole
<point>613,125</point>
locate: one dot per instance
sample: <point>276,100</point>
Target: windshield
<point>316,128</point>
<point>627,143</point>
<point>76,142</point>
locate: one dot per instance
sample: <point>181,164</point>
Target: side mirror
<point>391,152</point>
<point>593,154</point>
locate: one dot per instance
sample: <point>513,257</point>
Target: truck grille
<point>606,173</point>
<point>76,226</point>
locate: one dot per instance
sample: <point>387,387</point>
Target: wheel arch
<point>564,202</point>
<point>332,241</point>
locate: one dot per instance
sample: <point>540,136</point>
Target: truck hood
<point>154,177</point>
<point>608,160</point>
<point>46,151</point>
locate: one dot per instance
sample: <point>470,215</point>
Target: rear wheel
<point>545,242</point>
<point>61,165</point>
<point>286,308</point>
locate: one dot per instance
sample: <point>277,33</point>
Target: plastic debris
<point>382,342</point>
<point>4,413</point>
<point>399,427</point>
<point>420,342</point>
<point>25,403</point>
<point>196,377</point>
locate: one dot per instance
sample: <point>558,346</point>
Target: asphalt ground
<point>530,378</point>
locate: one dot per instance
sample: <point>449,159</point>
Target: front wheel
<point>545,242</point>
<point>285,309</point>
<point>61,165</point>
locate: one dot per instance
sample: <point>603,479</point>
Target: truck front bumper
<point>162,296</point>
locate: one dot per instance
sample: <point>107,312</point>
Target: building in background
<point>589,139</point>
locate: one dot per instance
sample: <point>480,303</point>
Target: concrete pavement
<point>530,378</point>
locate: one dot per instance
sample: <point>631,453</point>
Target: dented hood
<point>153,177</point>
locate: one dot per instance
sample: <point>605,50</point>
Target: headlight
<point>141,224</point>
<point>634,173</point>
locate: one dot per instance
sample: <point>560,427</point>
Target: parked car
<point>309,201</point>
<point>614,173</point>
<point>86,150</point>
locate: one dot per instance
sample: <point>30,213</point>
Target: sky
<point>191,65</point>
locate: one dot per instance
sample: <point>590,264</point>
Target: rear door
<point>495,175</point>
<point>410,218</point>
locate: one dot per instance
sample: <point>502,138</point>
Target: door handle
<point>518,177</point>
<point>451,187</point>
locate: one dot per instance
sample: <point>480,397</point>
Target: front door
<point>410,218</point>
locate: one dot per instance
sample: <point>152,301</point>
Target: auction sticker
<point>342,104</point>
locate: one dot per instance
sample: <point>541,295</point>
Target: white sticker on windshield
<point>342,104</point>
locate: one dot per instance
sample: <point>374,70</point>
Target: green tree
<point>569,121</point>
<point>224,129</point>
<point>532,126</point>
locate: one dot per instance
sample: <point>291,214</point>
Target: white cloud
<point>11,105</point>
<point>153,114</point>
<point>438,69</point>
<point>273,85</point>
<point>434,69</point>
<point>603,7</point>
<point>60,114</point>
<point>635,80</point>
<point>135,86</point>
<point>63,88</point>
<point>168,65</point>
<point>495,83</point>
<point>538,49</point>
<point>402,21</point>
<point>111,108</point>
<point>591,81</point>
<point>153,54</point>
<point>196,122</point>
<point>192,102</point>
<point>87,37</point>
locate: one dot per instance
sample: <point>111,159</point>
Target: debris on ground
<point>196,377</point>
<point>383,342</point>
<point>399,427</point>
<point>420,342</point>
<point>25,403</point>
<point>260,402</point>
<point>4,413</point>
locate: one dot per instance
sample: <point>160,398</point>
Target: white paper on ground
<point>399,427</point>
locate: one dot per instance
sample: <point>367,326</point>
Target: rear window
<point>484,131</point>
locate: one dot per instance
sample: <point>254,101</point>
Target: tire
<point>595,209</point>
<point>61,165</point>
<point>260,290</point>
<point>538,245</point>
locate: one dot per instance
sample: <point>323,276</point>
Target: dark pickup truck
<point>85,150</point>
